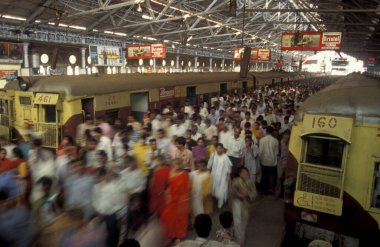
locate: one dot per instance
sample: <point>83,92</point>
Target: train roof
<point>102,84</point>
<point>355,95</point>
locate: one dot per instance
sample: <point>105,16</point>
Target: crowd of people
<point>148,182</point>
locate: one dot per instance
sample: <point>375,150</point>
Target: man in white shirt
<point>162,142</point>
<point>210,130</point>
<point>179,128</point>
<point>132,179</point>
<point>234,147</point>
<point>104,143</point>
<point>247,119</point>
<point>108,201</point>
<point>195,135</point>
<point>268,155</point>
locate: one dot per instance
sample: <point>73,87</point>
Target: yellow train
<point>335,156</point>
<point>55,105</point>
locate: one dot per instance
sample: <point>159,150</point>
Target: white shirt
<point>132,181</point>
<point>209,132</point>
<point>118,149</point>
<point>223,137</point>
<point>268,151</point>
<point>200,242</point>
<point>105,145</point>
<point>108,197</point>
<point>235,146</point>
<point>196,136</point>
<point>156,125</point>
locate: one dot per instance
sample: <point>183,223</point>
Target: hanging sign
<point>256,54</point>
<point>146,51</point>
<point>105,55</point>
<point>158,51</point>
<point>311,41</point>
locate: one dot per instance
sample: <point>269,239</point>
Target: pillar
<point>83,51</point>
<point>210,64</point>
<point>196,62</point>
<point>223,64</point>
<point>262,66</point>
<point>26,55</point>
<point>154,65</point>
<point>267,66</point>
<point>177,62</point>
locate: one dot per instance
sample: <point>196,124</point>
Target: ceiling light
<point>12,17</point>
<point>189,38</point>
<point>139,9</point>
<point>186,16</point>
<point>146,17</point>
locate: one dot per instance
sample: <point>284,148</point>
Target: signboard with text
<point>8,74</point>
<point>256,54</point>
<point>321,203</point>
<point>166,92</point>
<point>311,41</point>
<point>146,51</point>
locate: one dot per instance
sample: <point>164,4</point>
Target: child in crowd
<point>225,235</point>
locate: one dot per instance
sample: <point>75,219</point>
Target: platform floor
<point>266,226</point>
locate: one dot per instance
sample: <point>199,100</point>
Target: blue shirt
<point>15,227</point>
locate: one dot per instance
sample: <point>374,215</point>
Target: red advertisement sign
<point>256,54</point>
<point>158,50</point>
<point>311,41</point>
<point>331,41</point>
<point>11,51</point>
<point>166,93</point>
<point>146,51</point>
<point>8,74</point>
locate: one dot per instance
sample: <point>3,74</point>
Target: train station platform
<point>266,227</point>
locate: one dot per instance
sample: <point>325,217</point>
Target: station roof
<point>204,24</point>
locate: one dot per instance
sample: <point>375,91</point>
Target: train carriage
<point>55,105</point>
<point>335,156</point>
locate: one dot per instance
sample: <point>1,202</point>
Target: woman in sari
<point>158,185</point>
<point>175,216</point>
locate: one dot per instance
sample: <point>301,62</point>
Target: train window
<point>375,203</point>
<point>50,113</point>
<point>223,88</point>
<point>324,151</point>
<point>25,100</point>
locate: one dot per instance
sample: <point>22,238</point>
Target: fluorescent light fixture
<point>62,25</point>
<point>77,27</point>
<point>139,9</point>
<point>108,32</point>
<point>37,21</point>
<point>186,16</point>
<point>12,17</point>
<point>120,34</point>
<point>189,38</point>
<point>146,17</point>
<point>51,23</point>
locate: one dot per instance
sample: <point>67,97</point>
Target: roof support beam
<point>38,12</point>
<point>316,10</point>
<point>109,7</point>
<point>100,20</point>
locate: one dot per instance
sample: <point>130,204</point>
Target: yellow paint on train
<point>336,143</point>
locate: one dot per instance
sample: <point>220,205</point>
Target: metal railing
<point>319,180</point>
<point>49,134</point>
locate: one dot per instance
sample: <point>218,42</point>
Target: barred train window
<point>376,187</point>
<point>325,151</point>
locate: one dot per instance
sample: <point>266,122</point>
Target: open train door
<point>88,107</point>
<point>139,105</point>
<point>191,94</point>
<point>6,106</point>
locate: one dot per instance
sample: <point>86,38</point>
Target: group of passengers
<point>146,182</point>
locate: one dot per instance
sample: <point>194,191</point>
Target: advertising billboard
<point>311,41</point>
<point>146,51</point>
<point>256,54</point>
<point>105,55</point>
<point>11,51</point>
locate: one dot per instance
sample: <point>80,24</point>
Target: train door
<point>88,107</point>
<point>223,88</point>
<point>4,118</point>
<point>139,105</point>
<point>245,87</point>
<point>191,94</point>
<point>48,118</point>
